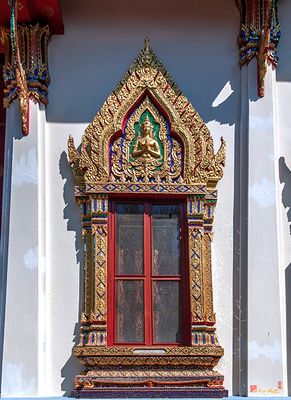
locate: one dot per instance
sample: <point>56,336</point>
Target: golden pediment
<point>180,140</point>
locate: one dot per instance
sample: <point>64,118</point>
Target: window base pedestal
<point>169,372</point>
<point>151,392</point>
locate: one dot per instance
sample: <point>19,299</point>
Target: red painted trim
<point>148,266</point>
<point>166,277</point>
<point>146,93</point>
<point>110,272</point>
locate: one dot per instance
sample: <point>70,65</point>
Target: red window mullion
<point>111,274</point>
<point>129,277</point>
<point>150,275</point>
<point>166,278</point>
<point>147,267</point>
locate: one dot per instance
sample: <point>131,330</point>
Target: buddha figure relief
<point>146,146</point>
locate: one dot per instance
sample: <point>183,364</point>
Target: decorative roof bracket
<point>259,35</point>
<point>26,64</point>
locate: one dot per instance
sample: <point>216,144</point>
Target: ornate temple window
<point>146,175</point>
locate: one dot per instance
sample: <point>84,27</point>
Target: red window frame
<point>147,277</point>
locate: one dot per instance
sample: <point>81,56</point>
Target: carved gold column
<point>200,218</point>
<point>98,317</point>
<point>84,204</point>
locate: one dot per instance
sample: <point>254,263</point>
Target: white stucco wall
<point>196,41</point>
<point>284,167</point>
<point>284,124</point>
<point>265,326</point>
<point>20,355</point>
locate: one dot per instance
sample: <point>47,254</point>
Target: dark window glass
<point>130,239</point>
<point>165,240</point>
<point>166,310</point>
<point>147,274</point>
<point>130,311</point>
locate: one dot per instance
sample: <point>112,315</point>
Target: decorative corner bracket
<point>259,35</point>
<point>25,71</point>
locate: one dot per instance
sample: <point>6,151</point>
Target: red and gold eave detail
<point>44,12</point>
<point>105,167</point>
<point>25,30</point>
<point>259,35</point>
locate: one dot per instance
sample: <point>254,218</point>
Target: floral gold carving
<point>100,279</point>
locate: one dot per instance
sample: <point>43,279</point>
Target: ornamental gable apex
<point>112,139</point>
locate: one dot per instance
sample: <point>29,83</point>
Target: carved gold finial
<point>148,53</point>
<point>146,57</point>
<point>73,155</point>
<point>146,44</point>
